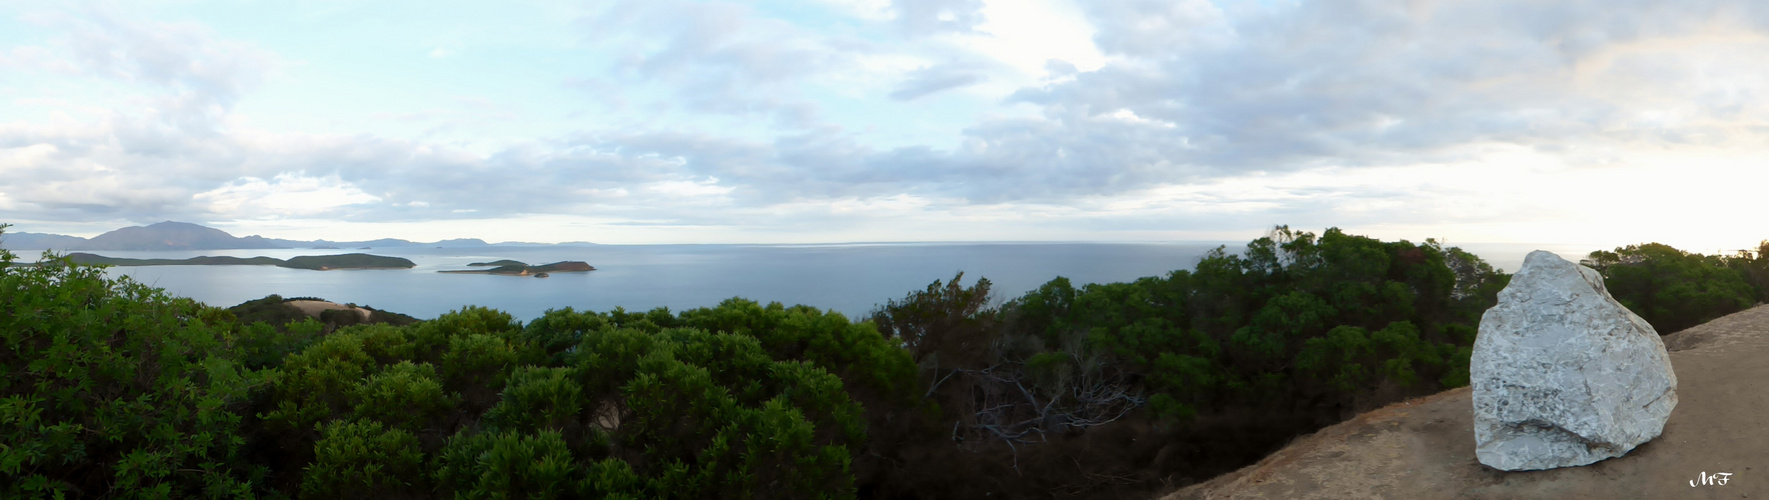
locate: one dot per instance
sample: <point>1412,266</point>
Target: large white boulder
<point>1563,375</point>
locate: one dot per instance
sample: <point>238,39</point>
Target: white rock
<point>1563,374</point>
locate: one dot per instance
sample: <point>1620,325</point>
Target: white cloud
<point>293,194</point>
<point>17,161</point>
<point>689,189</point>
<point>1053,119</point>
<point>1130,116</point>
<point>873,10</point>
<point>1026,34</point>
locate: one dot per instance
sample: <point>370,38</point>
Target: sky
<point>815,121</point>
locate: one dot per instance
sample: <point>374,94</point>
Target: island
<point>348,261</point>
<point>314,262</point>
<point>518,268</point>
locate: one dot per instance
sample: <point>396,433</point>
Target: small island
<point>314,262</point>
<point>518,268</point>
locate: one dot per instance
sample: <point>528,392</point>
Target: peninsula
<point>314,262</point>
<point>518,268</point>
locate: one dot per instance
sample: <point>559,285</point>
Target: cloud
<point>1359,83</point>
<point>200,76</point>
<point>286,195</point>
<point>933,17</point>
<point>1156,28</point>
<point>1141,114</point>
<point>934,79</point>
<point>1195,94</point>
<point>718,58</point>
<point>167,141</point>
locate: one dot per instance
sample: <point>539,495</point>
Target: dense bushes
<point>1295,321</point>
<point>111,388</point>
<point>1673,289</point>
<point>573,405</point>
<point>1211,367</point>
<point>275,310</point>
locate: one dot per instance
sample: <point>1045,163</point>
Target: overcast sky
<point>662,121</point>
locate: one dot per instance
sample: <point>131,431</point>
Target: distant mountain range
<point>186,236</point>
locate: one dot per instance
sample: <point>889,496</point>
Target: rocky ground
<point>1424,448</point>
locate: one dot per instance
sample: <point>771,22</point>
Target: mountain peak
<point>170,235</point>
<point>174,235</point>
<point>173,223</point>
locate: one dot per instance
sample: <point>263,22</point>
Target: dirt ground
<point>1424,448</point>
<point>312,308</point>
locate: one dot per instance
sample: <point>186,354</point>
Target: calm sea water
<point>850,279</point>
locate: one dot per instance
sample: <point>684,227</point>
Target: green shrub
<point>477,358</point>
<point>1296,317</point>
<point>569,406</point>
<point>539,398</point>
<point>853,351</point>
<point>109,388</point>
<point>508,465</point>
<point>363,459</point>
<point>551,335</point>
<point>1673,289</point>
<point>319,383</point>
<point>431,338</point>
<point>407,396</point>
<point>261,345</point>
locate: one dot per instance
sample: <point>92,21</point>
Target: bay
<point>851,279</point>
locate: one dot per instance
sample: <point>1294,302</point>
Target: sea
<point>852,279</point>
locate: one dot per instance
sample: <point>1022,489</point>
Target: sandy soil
<point>313,307</point>
<point>1424,448</point>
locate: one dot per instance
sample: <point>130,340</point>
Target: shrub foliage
<point>112,389</point>
<point>1673,289</point>
<point>573,405</point>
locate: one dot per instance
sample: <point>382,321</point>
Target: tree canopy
<point>1069,390</point>
<point>1673,289</point>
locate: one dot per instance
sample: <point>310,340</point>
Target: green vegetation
<point>1673,289</point>
<point>572,405</point>
<point>114,389</point>
<point>348,261</point>
<point>517,268</point>
<point>1222,363</point>
<point>271,329</point>
<point>109,388</point>
<point>100,260</point>
<point>316,262</point>
<point>561,267</point>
